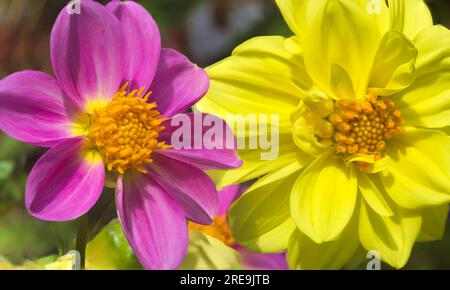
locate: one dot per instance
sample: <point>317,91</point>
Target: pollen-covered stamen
<point>126,131</point>
<point>219,229</point>
<point>363,127</point>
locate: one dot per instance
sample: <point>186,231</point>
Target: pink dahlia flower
<point>106,115</point>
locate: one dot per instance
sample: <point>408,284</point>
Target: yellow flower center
<point>126,131</point>
<point>363,127</point>
<point>357,129</point>
<point>219,229</point>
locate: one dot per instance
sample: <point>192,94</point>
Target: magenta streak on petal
<point>224,157</point>
<point>152,221</point>
<point>178,83</point>
<point>34,109</point>
<point>64,184</point>
<point>193,190</point>
<point>87,53</point>
<point>142,43</point>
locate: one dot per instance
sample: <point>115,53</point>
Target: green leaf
<point>23,237</point>
<point>110,250</point>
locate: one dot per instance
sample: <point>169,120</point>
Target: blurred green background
<point>206,31</point>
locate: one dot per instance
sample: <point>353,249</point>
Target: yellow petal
<point>66,262</point>
<point>305,254</point>
<point>207,253</point>
<point>253,166</point>
<point>262,211</point>
<point>378,11</point>
<point>110,250</point>
<point>373,166</point>
<point>283,172</point>
<point>339,32</point>
<point>262,77</point>
<point>393,65</point>
<point>310,131</point>
<point>286,53</point>
<point>341,84</point>
<point>446,130</point>
<point>426,103</point>
<point>70,261</point>
<point>373,195</point>
<point>410,16</point>
<point>274,241</point>
<point>393,237</point>
<point>323,198</point>
<point>433,45</point>
<point>419,173</point>
<point>293,12</point>
<point>433,223</point>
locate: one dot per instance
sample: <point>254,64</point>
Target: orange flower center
<point>219,229</point>
<point>363,127</point>
<point>126,131</point>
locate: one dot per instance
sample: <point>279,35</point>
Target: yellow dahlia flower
<point>362,91</point>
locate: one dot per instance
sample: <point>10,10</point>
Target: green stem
<point>82,236</point>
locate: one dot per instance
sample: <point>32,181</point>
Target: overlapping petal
<point>265,75</point>
<point>303,253</point>
<point>87,53</point>
<point>393,237</point>
<point>142,44</point>
<point>378,11</point>
<point>65,183</point>
<point>208,253</point>
<point>374,194</point>
<point>409,17</point>
<point>188,185</point>
<point>152,221</point>
<point>178,84</point>
<point>260,218</point>
<point>434,220</point>
<point>227,196</point>
<point>426,103</point>
<point>256,261</point>
<point>34,109</point>
<point>393,67</point>
<point>418,175</point>
<point>293,12</point>
<point>210,142</point>
<point>254,166</point>
<point>323,198</point>
<point>339,34</point>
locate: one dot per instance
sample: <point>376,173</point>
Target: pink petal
<point>87,53</point>
<point>65,183</point>
<point>34,109</point>
<point>192,189</point>
<point>153,223</point>
<point>142,43</point>
<point>257,261</point>
<point>209,157</point>
<point>227,196</point>
<point>178,83</point>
